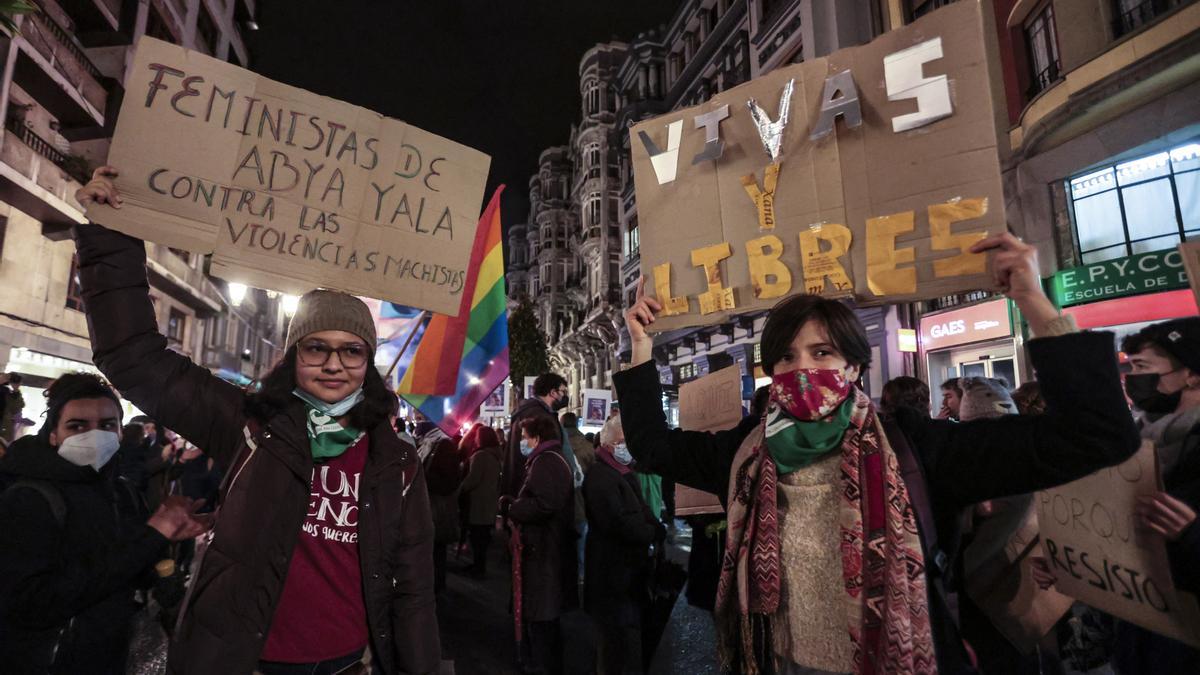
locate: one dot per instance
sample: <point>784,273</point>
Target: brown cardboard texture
<point>848,178</point>
<point>288,189</point>
<point>1095,544</point>
<point>709,403</point>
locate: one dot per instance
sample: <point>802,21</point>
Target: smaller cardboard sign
<point>1190,250</point>
<point>998,573</point>
<point>529,380</point>
<point>709,403</point>
<point>596,404</point>
<point>986,321</point>
<point>1094,542</point>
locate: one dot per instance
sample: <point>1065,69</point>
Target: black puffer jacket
<point>70,585</point>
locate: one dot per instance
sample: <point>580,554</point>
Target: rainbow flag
<point>483,323</point>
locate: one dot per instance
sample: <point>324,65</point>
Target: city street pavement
<point>477,629</point>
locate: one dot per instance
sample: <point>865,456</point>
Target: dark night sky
<point>498,75</point>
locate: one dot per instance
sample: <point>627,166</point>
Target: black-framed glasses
<point>317,354</point>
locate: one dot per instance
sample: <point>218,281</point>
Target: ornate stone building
<point>59,96</point>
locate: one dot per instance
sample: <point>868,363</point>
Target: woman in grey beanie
<point>321,556</point>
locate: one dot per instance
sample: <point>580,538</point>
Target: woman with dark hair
<point>481,488</point>
<point>544,513</point>
<point>321,556</point>
<point>841,525</point>
<point>74,546</point>
<point>907,392</point>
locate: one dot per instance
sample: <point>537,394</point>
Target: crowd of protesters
<point>298,526</point>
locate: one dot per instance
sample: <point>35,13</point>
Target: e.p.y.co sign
<point>1131,275</point>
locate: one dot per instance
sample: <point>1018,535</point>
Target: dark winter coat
<point>77,579</point>
<point>241,578</point>
<point>545,512</point>
<point>620,531</point>
<point>1087,426</point>
<point>482,486</point>
<point>514,464</point>
<point>442,476</point>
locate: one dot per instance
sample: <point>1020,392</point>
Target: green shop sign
<point>1133,275</point>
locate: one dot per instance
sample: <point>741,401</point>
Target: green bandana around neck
<point>794,445</point>
<point>326,437</point>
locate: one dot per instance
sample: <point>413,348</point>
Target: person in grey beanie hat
<point>321,559</point>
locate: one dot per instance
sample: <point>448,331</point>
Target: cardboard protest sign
<point>290,190</point>
<point>709,403</point>
<point>998,574</point>
<point>1093,541</point>
<point>761,192</point>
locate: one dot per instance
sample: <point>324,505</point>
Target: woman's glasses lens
<point>316,354</point>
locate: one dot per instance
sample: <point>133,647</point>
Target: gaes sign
<point>290,190</point>
<point>758,193</point>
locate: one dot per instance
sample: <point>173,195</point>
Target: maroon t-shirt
<point>321,613</point>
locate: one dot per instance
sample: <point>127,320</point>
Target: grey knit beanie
<point>331,310</point>
<point>984,397</point>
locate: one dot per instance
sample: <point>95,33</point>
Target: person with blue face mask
<point>621,530</point>
<point>543,514</point>
<point>324,519</point>
<point>75,544</point>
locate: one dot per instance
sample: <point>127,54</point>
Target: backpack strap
<point>52,495</point>
<point>937,563</point>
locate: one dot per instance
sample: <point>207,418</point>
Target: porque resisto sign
<point>762,191</point>
<point>290,190</point>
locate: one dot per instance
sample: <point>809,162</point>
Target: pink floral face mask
<point>809,394</point>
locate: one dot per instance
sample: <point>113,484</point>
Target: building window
<point>592,209</point>
<point>633,242</point>
<point>922,7</point>
<point>176,325</point>
<point>206,29</point>
<point>1042,40</point>
<point>591,97</point>
<point>687,372</point>
<point>1147,204</point>
<point>592,160</point>
<point>1133,14</point>
<point>214,332</point>
<point>74,297</point>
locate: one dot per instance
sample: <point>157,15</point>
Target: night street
<point>858,336</point>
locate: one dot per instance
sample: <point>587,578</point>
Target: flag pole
<point>407,341</point>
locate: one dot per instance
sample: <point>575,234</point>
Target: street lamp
<point>237,293</point>
<point>290,304</point>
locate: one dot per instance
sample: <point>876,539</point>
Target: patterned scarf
<point>883,568</point>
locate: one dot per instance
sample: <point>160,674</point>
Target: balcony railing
<point>1042,80</point>
<point>1133,18</point>
<point>58,47</point>
<point>41,146</point>
<point>65,39</point>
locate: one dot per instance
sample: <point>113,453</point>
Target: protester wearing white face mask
<point>72,549</point>
<point>621,531</point>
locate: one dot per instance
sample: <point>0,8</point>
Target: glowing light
<point>237,293</point>
<point>290,304</point>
